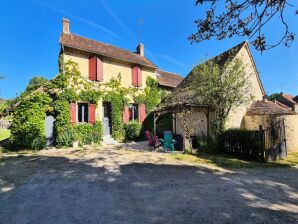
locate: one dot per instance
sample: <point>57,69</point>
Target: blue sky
<point>30,30</point>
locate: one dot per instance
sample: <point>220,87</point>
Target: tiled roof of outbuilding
<point>168,78</point>
<point>263,107</point>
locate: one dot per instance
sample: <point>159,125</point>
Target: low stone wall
<point>253,122</point>
<point>291,124</point>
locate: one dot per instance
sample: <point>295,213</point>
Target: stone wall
<point>291,127</point>
<point>291,124</point>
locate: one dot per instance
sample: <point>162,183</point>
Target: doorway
<point>106,118</point>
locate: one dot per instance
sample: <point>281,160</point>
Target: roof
<point>168,78</point>
<point>107,50</point>
<point>222,58</point>
<point>263,107</point>
<point>286,99</point>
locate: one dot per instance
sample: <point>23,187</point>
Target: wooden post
<point>262,143</point>
<point>154,124</point>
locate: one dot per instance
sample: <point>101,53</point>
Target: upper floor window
<point>95,69</point>
<point>136,76</point>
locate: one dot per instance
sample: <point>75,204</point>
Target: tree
<point>273,96</point>
<point>245,18</point>
<point>222,87</point>
<point>34,84</point>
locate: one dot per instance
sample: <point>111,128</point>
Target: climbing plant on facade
<point>28,128</point>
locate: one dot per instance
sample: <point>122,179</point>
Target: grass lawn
<point>225,161</point>
<point>4,134</point>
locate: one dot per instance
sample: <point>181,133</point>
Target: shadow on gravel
<point>40,189</point>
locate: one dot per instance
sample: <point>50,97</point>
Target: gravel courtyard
<point>118,186</point>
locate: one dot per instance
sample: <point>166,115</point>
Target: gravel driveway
<point>117,186</point>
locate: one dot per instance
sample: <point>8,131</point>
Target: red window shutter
<point>142,112</point>
<point>134,76</point>
<point>92,68</point>
<point>92,108</point>
<point>126,115</point>
<point>139,77</point>
<point>73,113</point>
<point>99,70</point>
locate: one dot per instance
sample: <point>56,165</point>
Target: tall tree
<point>245,18</point>
<point>35,83</point>
<point>222,87</point>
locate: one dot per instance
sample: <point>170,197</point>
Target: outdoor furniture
<point>153,141</point>
<point>168,141</point>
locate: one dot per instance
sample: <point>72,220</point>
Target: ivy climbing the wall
<point>117,96</point>
<point>28,128</point>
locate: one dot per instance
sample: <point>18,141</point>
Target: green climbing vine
<point>151,96</point>
<point>28,128</point>
<point>67,87</point>
<point>118,96</point>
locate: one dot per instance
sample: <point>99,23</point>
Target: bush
<point>28,128</point>
<point>88,133</point>
<point>65,137</point>
<point>83,133</point>
<point>97,132</point>
<point>132,130</point>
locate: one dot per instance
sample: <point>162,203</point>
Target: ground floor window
<point>133,112</point>
<point>83,113</point>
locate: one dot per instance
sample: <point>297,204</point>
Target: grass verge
<point>4,134</point>
<point>224,161</point>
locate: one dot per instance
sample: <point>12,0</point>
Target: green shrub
<point>132,130</point>
<point>83,133</point>
<point>28,128</point>
<point>65,137</point>
<point>97,132</point>
<point>88,133</point>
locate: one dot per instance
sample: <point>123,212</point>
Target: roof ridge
<point>105,43</point>
<point>108,45</point>
<point>174,73</point>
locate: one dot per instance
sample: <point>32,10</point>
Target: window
<point>133,112</point>
<point>83,113</point>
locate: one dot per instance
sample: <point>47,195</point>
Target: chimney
<point>65,26</point>
<point>140,49</point>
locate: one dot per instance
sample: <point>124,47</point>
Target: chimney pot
<point>140,49</point>
<point>65,25</point>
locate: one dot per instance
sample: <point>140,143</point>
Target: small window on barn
<point>83,113</point>
<point>133,112</point>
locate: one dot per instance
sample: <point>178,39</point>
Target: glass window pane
<point>86,114</point>
<point>80,113</point>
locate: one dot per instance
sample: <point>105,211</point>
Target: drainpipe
<point>63,70</point>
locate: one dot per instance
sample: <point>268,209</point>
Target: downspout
<point>63,70</point>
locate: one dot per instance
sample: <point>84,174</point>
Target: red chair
<point>153,141</point>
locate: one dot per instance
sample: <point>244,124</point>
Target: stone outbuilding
<point>267,113</point>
